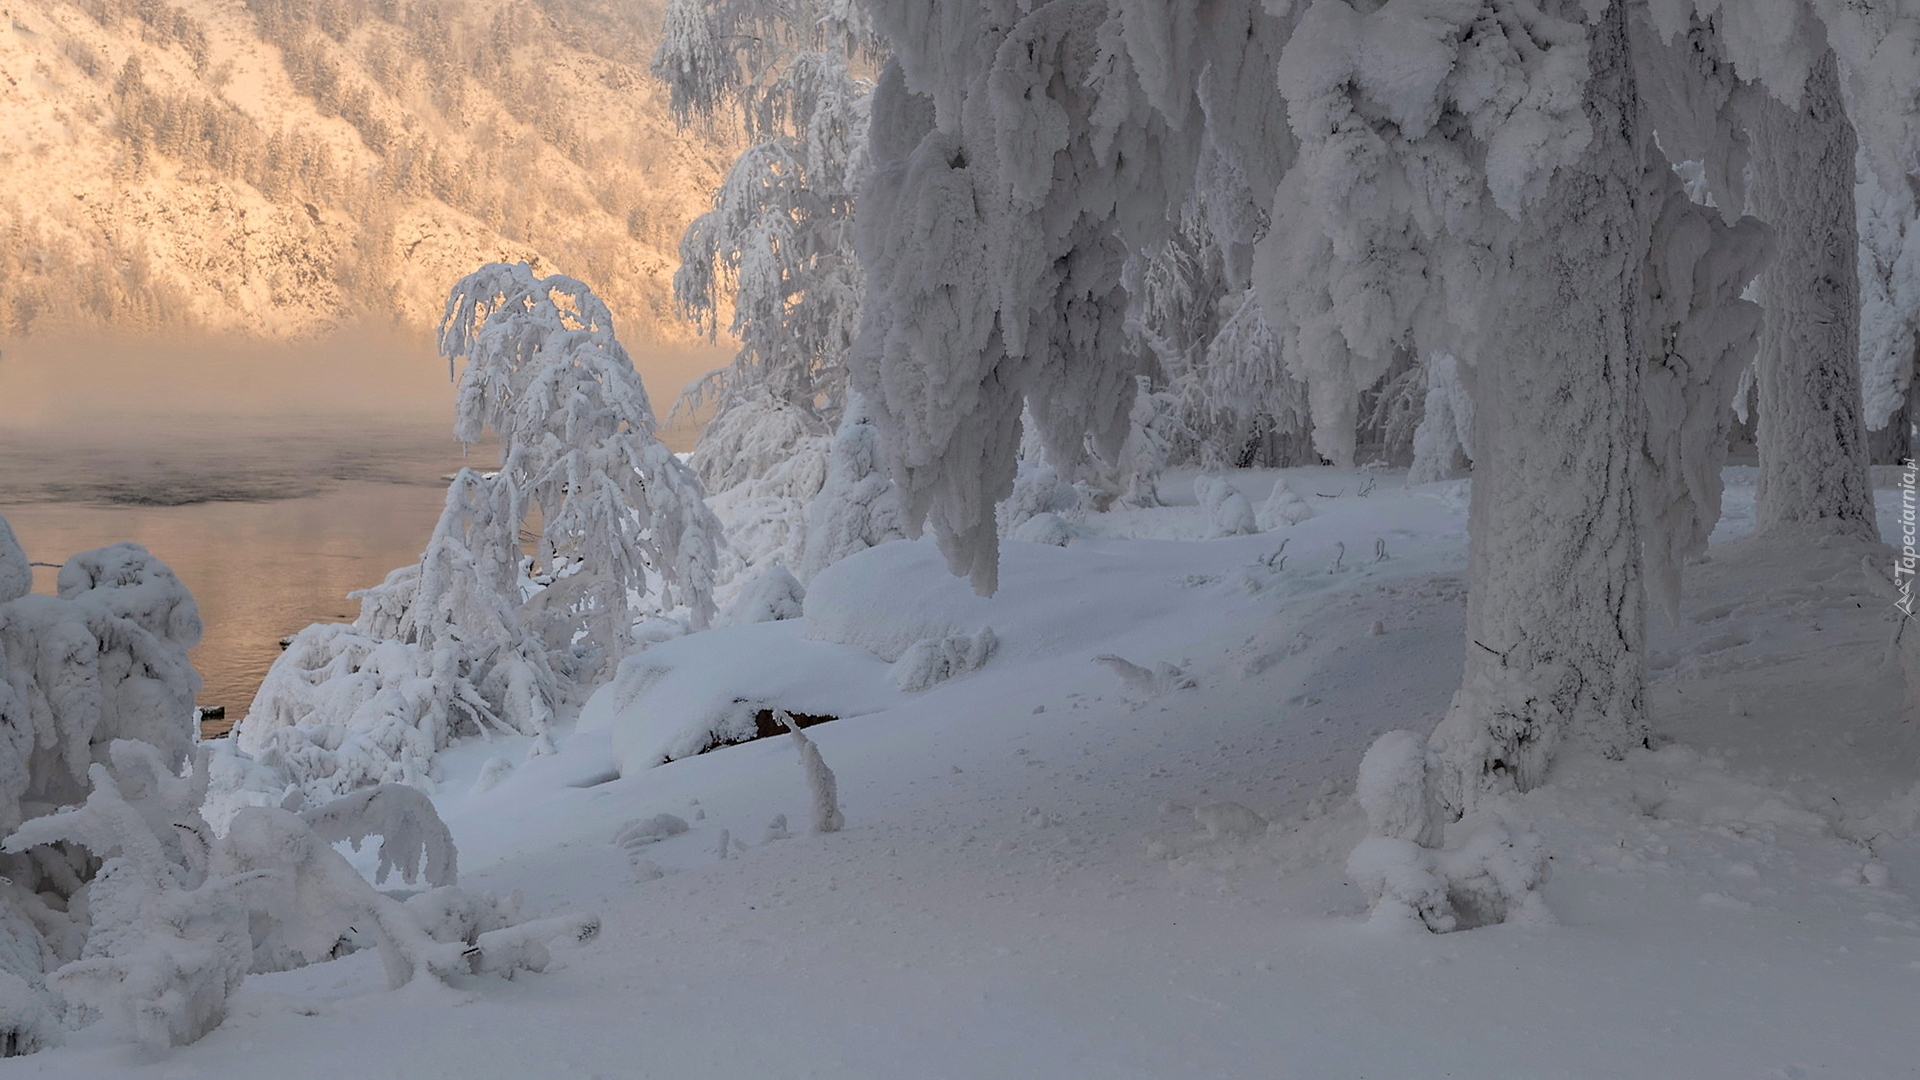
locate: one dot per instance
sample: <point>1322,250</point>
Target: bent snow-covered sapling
<point>820,780</point>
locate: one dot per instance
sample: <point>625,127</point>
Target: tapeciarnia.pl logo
<point>1905,565</point>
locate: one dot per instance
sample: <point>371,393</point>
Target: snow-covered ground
<point>1038,879</point>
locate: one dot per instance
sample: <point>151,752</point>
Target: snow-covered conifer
<point>855,508</point>
<point>1445,435</point>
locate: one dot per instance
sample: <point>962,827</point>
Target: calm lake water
<point>273,481</point>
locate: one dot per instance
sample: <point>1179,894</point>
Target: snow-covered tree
<point>478,637</point>
<point>1812,440</point>
<point>1017,162</point>
<point>777,247</point>
<point>1480,179</point>
<point>619,516</point>
<point>855,507</point>
<point>1889,306</point>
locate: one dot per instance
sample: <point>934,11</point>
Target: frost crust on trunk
<point>1812,439</point>
<point>1556,619</point>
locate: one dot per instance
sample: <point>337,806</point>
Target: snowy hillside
<point>278,167</point>
<point>1053,867</point>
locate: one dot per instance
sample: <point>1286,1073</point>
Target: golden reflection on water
<point>259,570</point>
<point>273,479</point>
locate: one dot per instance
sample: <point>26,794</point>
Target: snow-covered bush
<point>106,659</point>
<point>1229,513</point>
<point>102,662</point>
<point>1283,507</point>
<point>177,916</point>
<point>1048,528</point>
<point>931,661</point>
<point>1037,489</point>
<point>766,515</point>
<point>756,433</point>
<point>1492,875</point>
<point>339,710</point>
<point>771,595</point>
<point>1146,684</point>
<point>168,937</point>
<point>1392,789</point>
<point>1444,440</point>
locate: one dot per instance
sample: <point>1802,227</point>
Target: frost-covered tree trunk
<point>1812,441</point>
<point>1556,616</point>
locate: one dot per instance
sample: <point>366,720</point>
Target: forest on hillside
<point>284,169</point>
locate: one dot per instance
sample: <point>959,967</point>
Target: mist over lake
<point>274,480</point>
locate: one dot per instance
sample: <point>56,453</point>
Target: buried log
<point>766,724</point>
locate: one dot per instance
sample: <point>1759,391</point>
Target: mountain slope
<point>283,167</point>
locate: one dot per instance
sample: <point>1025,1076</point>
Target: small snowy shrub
<point>1444,440</point>
<point>1283,508</point>
<point>169,939</point>
<point>765,516</point>
<point>1037,490</point>
<point>1044,529</point>
<point>1229,820</point>
<point>1146,684</point>
<point>1392,788</point>
<point>752,435</point>
<point>340,710</point>
<point>27,1025</point>
<point>931,661</point>
<point>1229,513</point>
<point>106,659</point>
<point>1491,875</point>
<point>770,596</point>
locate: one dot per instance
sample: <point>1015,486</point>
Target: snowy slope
<point>1022,891</point>
<point>276,167</point>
